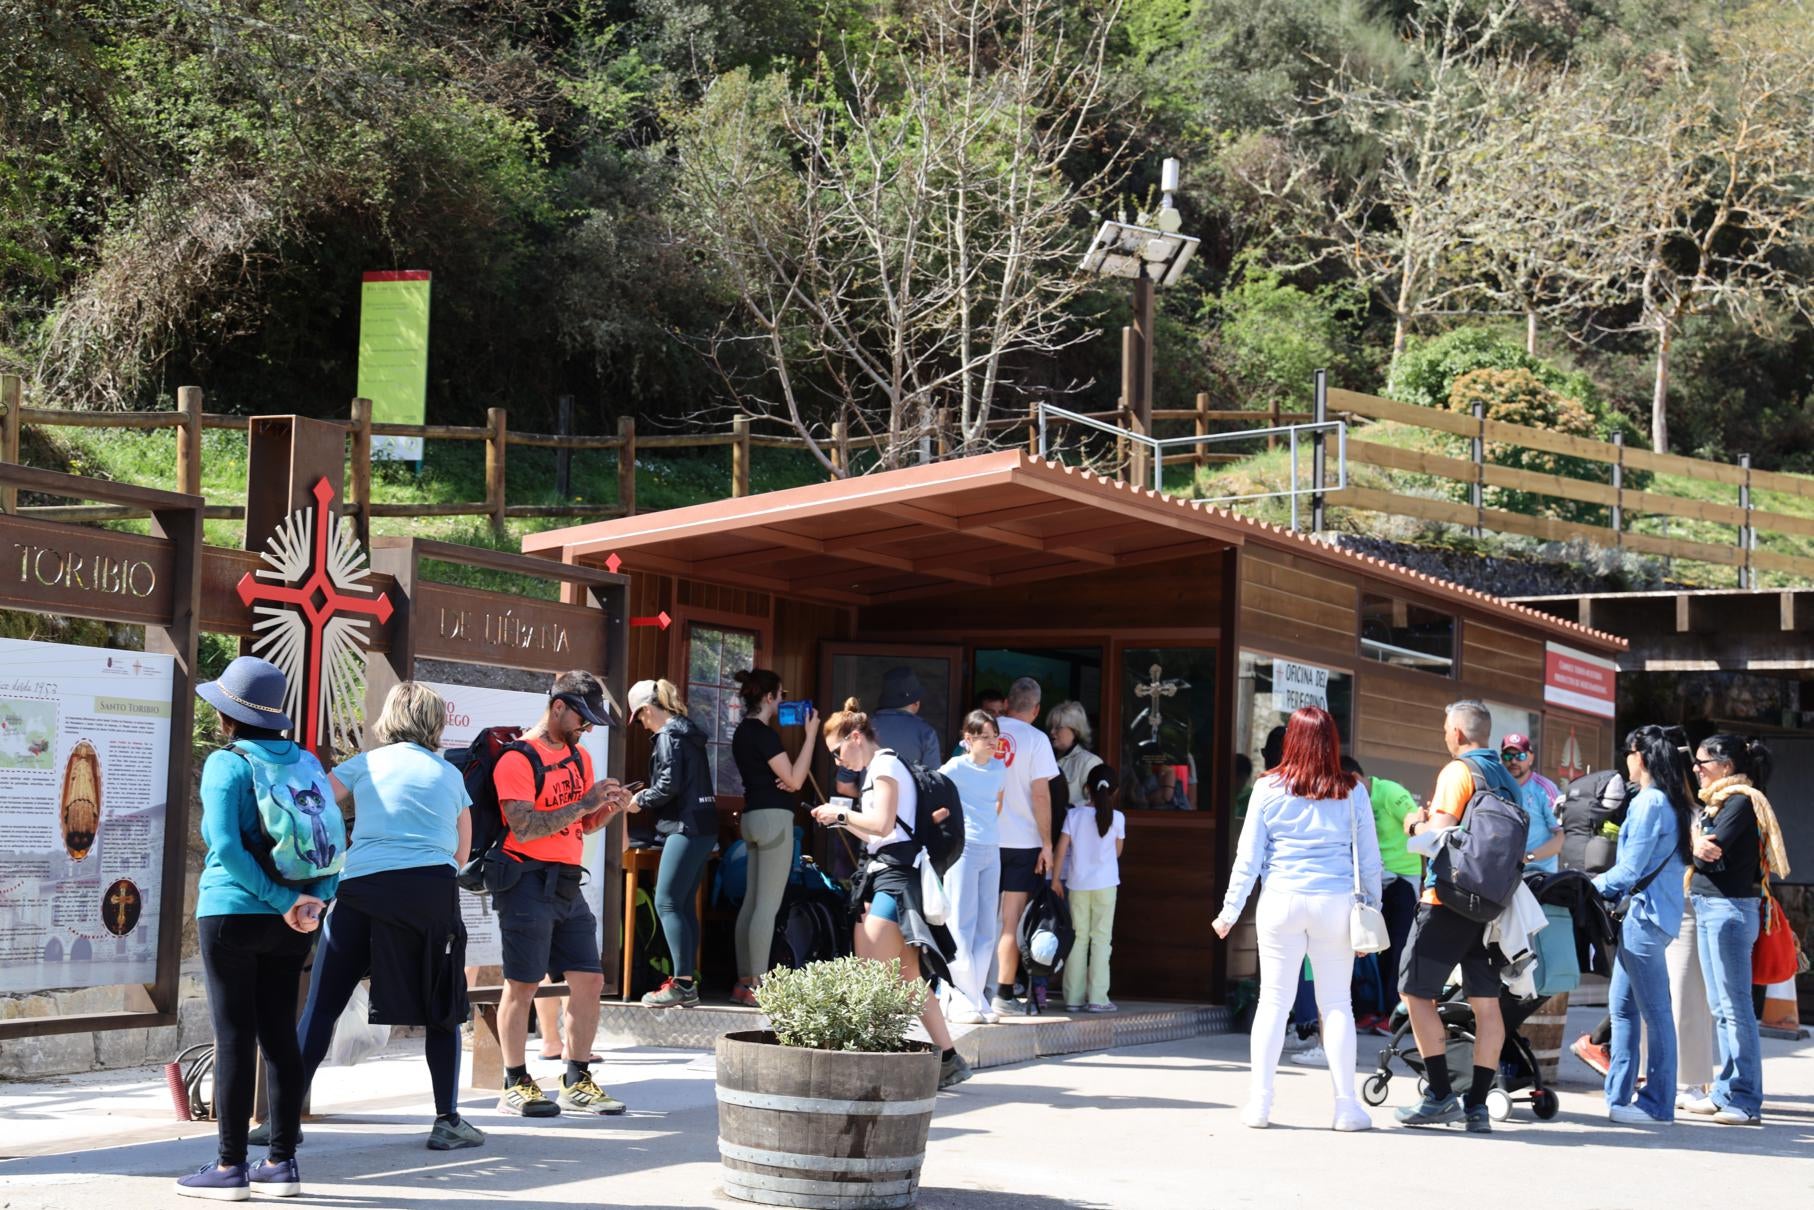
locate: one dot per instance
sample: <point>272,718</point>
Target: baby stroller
<point>1519,1080</point>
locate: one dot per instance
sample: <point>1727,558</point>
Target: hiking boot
<point>585,1096</point>
<point>673,994</point>
<point>454,1135</point>
<point>216,1183</point>
<point>1597,1057</point>
<point>953,1071</point>
<point>526,1099</point>
<point>1431,1112</point>
<point>1479,1120</point>
<point>282,1179</point>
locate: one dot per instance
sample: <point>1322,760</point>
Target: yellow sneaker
<point>526,1099</point>
<point>585,1096</point>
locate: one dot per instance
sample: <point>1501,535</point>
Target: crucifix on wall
<point>1155,689</point>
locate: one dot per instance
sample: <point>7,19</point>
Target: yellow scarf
<point>1776,857</point>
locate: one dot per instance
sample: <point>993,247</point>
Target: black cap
<point>584,695</point>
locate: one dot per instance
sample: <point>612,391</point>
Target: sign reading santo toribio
<point>91,573</point>
<point>314,605</point>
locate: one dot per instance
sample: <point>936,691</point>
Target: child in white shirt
<point>1088,860</point>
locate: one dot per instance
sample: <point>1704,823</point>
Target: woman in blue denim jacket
<point>1652,853</point>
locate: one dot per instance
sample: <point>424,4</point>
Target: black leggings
<point>253,964</point>
<point>346,958</point>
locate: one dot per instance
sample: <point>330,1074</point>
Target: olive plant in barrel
<point>830,1106</point>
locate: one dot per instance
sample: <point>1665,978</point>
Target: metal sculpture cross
<point>1153,690</point>
<point>318,563</point>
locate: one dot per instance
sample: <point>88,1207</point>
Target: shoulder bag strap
<point>1354,843</point>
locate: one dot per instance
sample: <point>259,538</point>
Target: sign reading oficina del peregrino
<point>84,750</point>
<point>1296,685</point>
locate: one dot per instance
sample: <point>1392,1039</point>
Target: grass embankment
<point>1271,471</point>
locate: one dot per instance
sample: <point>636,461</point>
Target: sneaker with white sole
<point>585,1096</point>
<point>1258,1114</point>
<point>1631,1115</point>
<point>526,1099</point>
<point>1316,1056</point>
<point>1007,1008</point>
<point>217,1184</point>
<point>1107,1006</point>
<point>1733,1116</point>
<point>964,1016</point>
<point>1350,1117</point>
<point>281,1179</point>
<point>1701,1105</point>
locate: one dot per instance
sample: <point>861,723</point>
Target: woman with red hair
<point>1308,825</point>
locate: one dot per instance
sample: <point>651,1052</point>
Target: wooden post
<point>840,451</point>
<point>189,441</point>
<point>626,464</point>
<point>942,422</point>
<point>359,490</point>
<point>12,398</point>
<point>563,457</point>
<point>1477,489</point>
<point>1201,458</point>
<point>740,456</point>
<point>495,446</point>
<point>1272,422</point>
<point>1135,469</point>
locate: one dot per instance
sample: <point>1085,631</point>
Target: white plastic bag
<point>355,1038</point>
<point>935,905</point>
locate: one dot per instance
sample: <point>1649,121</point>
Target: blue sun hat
<point>249,691</point>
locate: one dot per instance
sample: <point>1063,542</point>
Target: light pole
<point>1153,253</point>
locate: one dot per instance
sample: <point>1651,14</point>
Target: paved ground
<point>1152,1127</point>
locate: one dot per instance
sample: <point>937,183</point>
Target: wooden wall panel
<point>1398,725</point>
<point>799,628</point>
<point>1286,597</point>
<point>1505,660</point>
<point>1170,888</point>
<point>1182,595</point>
<point>1595,740</point>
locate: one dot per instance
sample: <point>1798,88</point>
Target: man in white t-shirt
<point>1026,825</point>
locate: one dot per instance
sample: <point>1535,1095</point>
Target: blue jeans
<point>1725,931</point>
<point>1640,1004</point>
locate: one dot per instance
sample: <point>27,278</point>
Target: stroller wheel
<point>1373,1092</point>
<point>1545,1104</point>
<point>1498,1104</point>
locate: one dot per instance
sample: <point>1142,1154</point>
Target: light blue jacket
<point>1302,846</point>
<point>1649,837</point>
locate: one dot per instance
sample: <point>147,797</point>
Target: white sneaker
<point>1349,1116</point>
<point>1631,1115</point>
<point>1737,1117</point>
<point>989,1018</point>
<point>1257,1115</point>
<point>1685,1097</point>
<point>964,1016</point>
<point>1314,1057</point>
<point>1702,1105</point>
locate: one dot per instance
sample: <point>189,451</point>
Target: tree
<point>898,234</point>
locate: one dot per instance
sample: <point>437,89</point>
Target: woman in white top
<point>889,885</point>
<point>1309,823</point>
<point>1069,728</point>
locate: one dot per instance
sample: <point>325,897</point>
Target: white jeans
<point>1694,1065</point>
<point>1291,927</point>
<point>973,884</point>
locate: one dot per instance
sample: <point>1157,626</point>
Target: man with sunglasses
<point>1537,795</point>
<point>550,801</point>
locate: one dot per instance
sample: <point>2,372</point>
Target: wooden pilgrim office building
<point>1187,634</point>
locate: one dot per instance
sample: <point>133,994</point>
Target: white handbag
<point>1366,927</point>
<point>935,905</point>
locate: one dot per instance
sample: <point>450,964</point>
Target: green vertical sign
<point>393,355</point>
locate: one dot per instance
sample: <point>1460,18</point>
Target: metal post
<point>1477,490</point>
<point>1316,457</point>
<point>1618,489</point>
<point>1294,480</point>
<point>1043,446</point>
<point>1158,468</point>
<point>1747,533</point>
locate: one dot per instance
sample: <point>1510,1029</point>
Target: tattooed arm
<point>604,799</point>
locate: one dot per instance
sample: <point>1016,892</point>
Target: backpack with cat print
<point>304,831</point>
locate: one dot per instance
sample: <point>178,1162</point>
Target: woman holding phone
<point>771,787</point>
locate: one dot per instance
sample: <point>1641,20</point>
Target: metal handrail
<point>1317,431</point>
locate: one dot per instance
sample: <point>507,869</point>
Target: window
<point>1168,699</point>
<point>715,654</point>
<point>1270,688</point>
<point>1395,631</point>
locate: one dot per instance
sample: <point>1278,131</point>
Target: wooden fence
<point>1620,501</point>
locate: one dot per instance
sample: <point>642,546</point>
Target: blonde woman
<point>397,914</point>
<point>888,888</point>
<point>1069,728</point>
<point>681,798</point>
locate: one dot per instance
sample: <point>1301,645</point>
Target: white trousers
<point>1694,1065</point>
<point>973,884</point>
<point>1290,928</point>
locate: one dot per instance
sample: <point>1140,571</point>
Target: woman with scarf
<point>1737,846</point>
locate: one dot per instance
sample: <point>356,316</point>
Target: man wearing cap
<point>1537,795</point>
<point>545,924</point>
<point>899,727</point>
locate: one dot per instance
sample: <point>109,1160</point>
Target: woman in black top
<point>771,785</point>
<point>1733,832</point>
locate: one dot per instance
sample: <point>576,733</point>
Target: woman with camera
<point>771,787</point>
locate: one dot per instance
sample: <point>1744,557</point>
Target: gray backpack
<point>1478,869</point>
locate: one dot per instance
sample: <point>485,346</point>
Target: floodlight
<point>1126,250</point>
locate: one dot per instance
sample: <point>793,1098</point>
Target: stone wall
<point>66,1054</point>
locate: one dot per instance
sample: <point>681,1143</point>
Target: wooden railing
<point>1620,501</point>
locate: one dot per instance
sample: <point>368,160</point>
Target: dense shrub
<point>1518,396</point>
<point>846,1004</point>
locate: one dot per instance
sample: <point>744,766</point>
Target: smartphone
<point>793,714</point>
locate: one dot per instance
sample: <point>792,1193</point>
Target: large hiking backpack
<point>813,925</point>
<point>942,837</point>
<point>1479,867</point>
<point>304,831</point>
<point>1588,805</point>
<point>483,870</point>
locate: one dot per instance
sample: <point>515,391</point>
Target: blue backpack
<point>304,831</point>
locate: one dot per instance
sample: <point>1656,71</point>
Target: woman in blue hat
<point>276,842</point>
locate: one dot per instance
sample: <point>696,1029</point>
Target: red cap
<point>1516,742</point>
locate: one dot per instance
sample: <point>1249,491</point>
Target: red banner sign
<point>1578,681</point>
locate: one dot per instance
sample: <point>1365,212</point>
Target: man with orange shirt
<point>1441,939</point>
<point>550,801</point>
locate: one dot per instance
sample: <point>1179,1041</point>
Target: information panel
<point>84,772</point>
<point>393,355</point>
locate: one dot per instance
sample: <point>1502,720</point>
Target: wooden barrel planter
<point>837,1130</point>
<point>1544,1030</point>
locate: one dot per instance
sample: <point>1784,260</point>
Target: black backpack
<point>1045,911</point>
<point>1591,802</point>
<point>1481,862</point>
<point>484,869</point>
<point>938,819</point>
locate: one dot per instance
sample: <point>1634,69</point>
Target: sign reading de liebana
<point>393,355</point>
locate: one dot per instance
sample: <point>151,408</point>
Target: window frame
<point>1364,654</point>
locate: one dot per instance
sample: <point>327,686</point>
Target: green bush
<point>1519,397</point>
<point>847,1004</point>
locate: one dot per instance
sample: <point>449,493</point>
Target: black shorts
<point>1440,941</point>
<point>543,933</point>
<point>1017,874</point>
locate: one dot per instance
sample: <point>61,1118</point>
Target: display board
<point>84,775</point>
<point>393,355</point>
